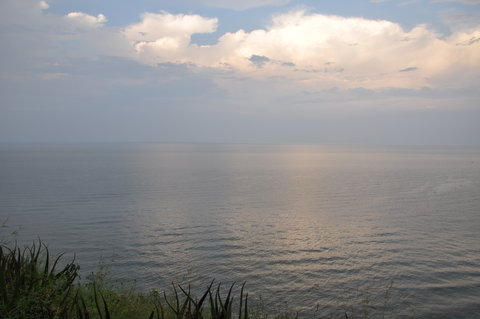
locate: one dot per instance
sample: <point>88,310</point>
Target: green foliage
<point>34,286</point>
<point>104,302</point>
<point>30,284</point>
<point>31,287</point>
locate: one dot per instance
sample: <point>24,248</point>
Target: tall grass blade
<point>96,300</point>
<point>241,301</point>
<point>175,310</point>
<point>160,314</point>
<point>107,313</point>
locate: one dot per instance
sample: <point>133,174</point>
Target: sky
<point>254,71</point>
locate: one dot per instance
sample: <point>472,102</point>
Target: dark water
<point>319,229</point>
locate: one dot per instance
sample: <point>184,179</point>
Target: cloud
<point>259,60</point>
<point>304,77</point>
<point>471,41</point>
<point>43,5</point>
<point>335,51</point>
<point>473,2</point>
<point>84,20</point>
<point>165,37</point>
<point>34,39</point>
<point>242,5</point>
<point>409,69</point>
<point>308,50</point>
<point>155,26</point>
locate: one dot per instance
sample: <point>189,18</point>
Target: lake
<point>311,228</point>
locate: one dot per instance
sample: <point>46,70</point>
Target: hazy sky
<point>311,71</point>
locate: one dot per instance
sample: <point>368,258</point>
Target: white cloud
<point>83,20</point>
<point>158,25</point>
<point>249,86</point>
<point>313,49</point>
<point>305,49</point>
<point>43,5</point>
<point>165,37</point>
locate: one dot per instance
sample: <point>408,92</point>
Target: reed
<point>32,285</point>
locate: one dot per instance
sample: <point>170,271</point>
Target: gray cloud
<point>259,60</point>
<point>471,41</point>
<point>409,69</point>
<point>114,99</point>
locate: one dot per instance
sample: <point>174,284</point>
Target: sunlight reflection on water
<point>302,225</point>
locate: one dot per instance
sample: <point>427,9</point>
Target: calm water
<point>319,229</point>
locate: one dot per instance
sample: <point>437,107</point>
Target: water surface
<point>318,229</point>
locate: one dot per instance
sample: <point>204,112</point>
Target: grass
<point>33,286</point>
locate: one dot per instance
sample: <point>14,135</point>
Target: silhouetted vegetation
<point>32,285</point>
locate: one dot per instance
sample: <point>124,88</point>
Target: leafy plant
<point>30,284</point>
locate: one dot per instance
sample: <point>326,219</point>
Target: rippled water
<point>319,229</point>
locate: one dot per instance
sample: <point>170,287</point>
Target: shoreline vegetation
<point>35,285</point>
